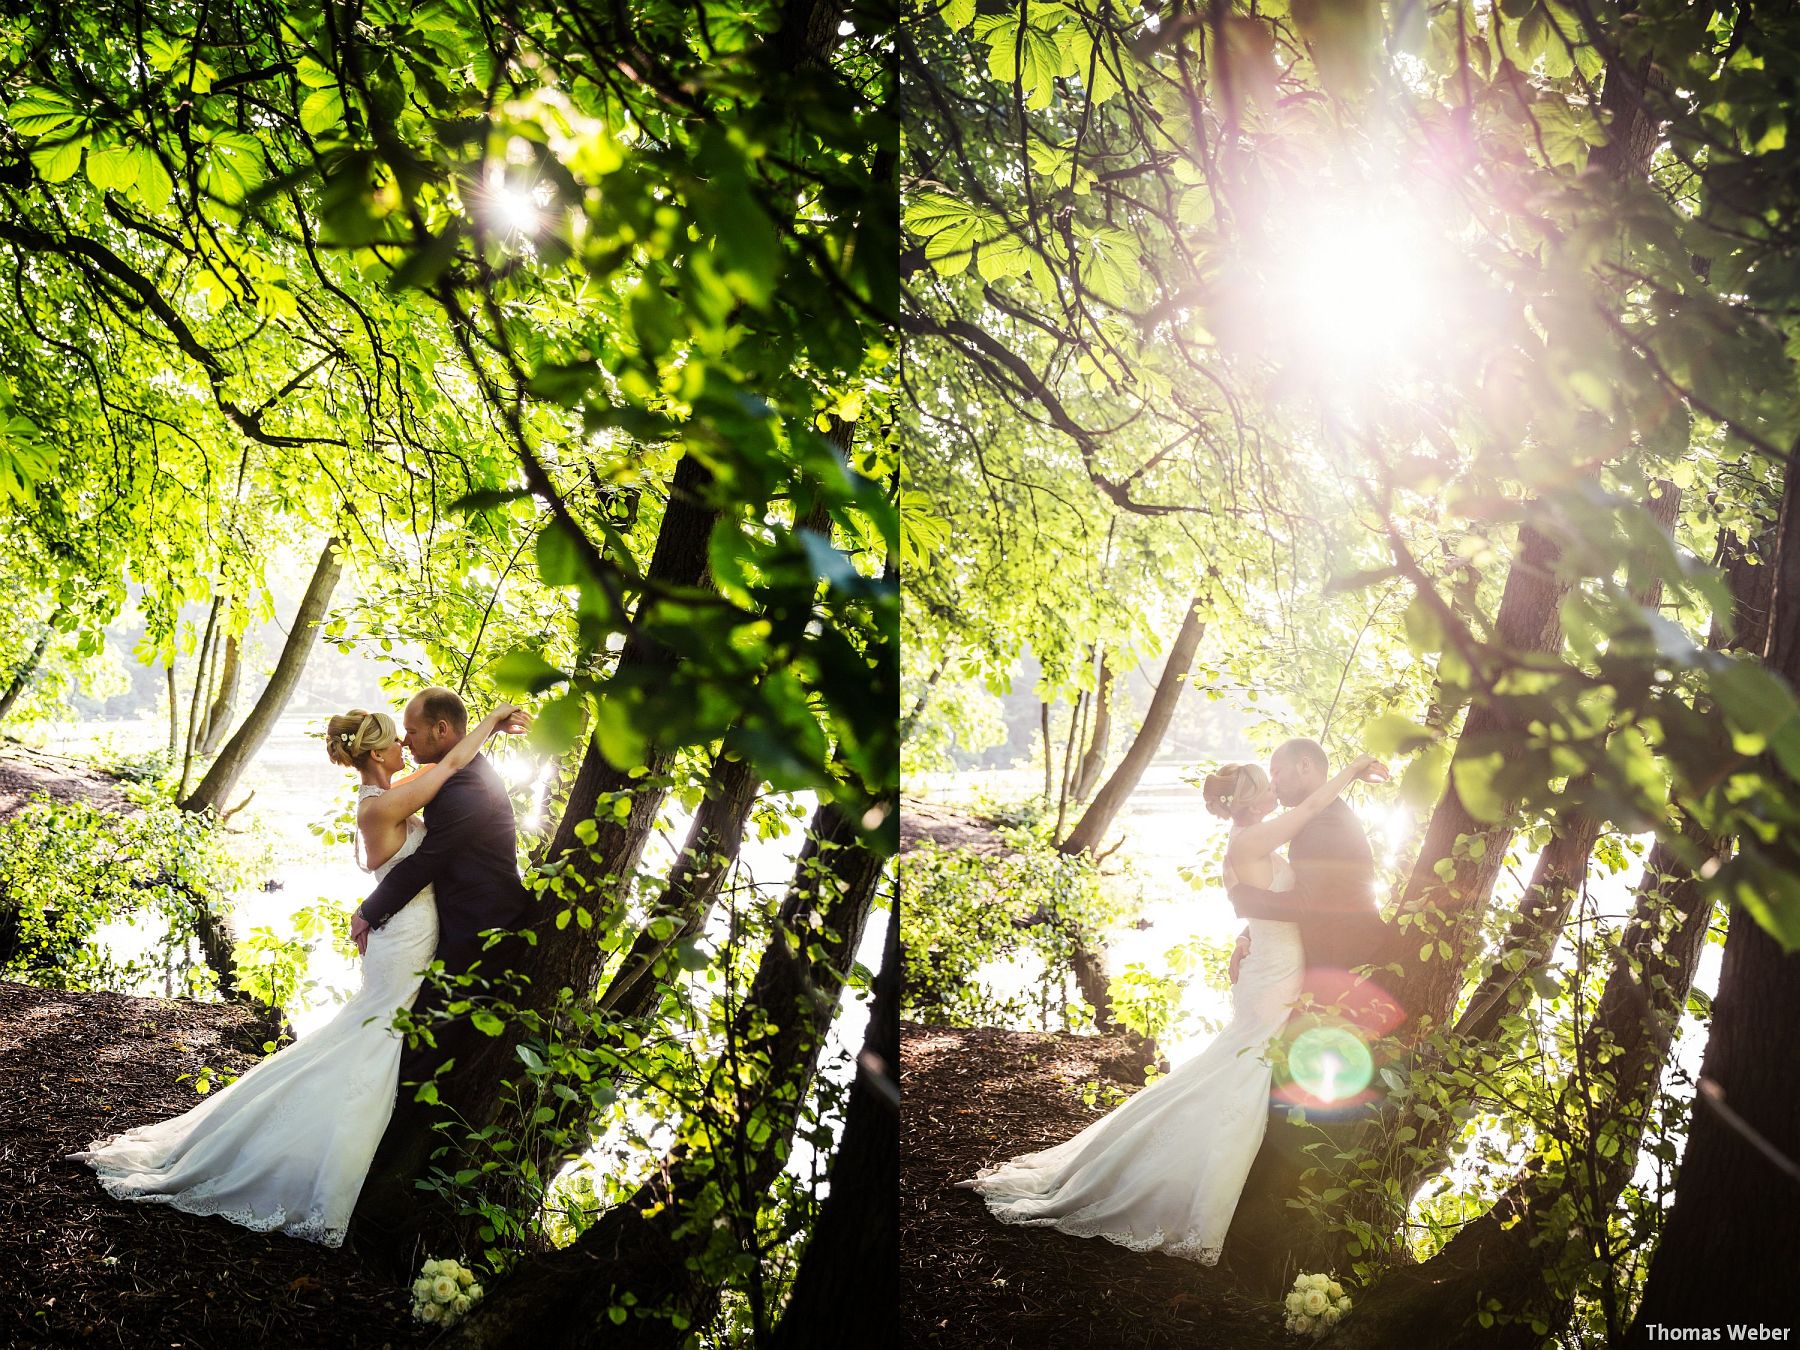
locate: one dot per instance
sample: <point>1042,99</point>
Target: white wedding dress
<point>1163,1172</point>
<point>286,1147</point>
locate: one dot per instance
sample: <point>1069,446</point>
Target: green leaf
<point>957,14</point>
<point>1473,777</point>
<point>487,1023</point>
<point>524,671</point>
<point>114,169</point>
<point>39,112</point>
<point>323,111</point>
<point>57,160</point>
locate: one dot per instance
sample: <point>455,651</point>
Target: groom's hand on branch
<point>359,932</point>
<point>1371,770</point>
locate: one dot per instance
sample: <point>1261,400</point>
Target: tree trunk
<point>1077,715</point>
<point>22,676</point>
<point>651,1247</point>
<point>174,710</point>
<point>1728,1245</point>
<point>1727,1248</point>
<point>1528,622</point>
<point>222,777</point>
<point>848,1288</point>
<point>714,840</point>
<point>1049,752</point>
<point>1562,866</point>
<point>1093,759</point>
<point>202,673</point>
<point>1552,1212</point>
<point>594,875</point>
<point>1090,830</point>
<point>224,708</point>
<point>1098,818</point>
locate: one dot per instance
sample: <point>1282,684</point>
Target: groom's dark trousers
<point>1333,902</point>
<point>469,860</point>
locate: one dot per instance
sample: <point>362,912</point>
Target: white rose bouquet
<point>1317,1304</point>
<point>444,1292</point>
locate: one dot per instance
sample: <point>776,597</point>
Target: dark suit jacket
<point>469,857</point>
<point>1333,899</point>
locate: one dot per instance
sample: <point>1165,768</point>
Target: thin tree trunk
<point>848,1288</point>
<point>202,673</point>
<point>714,840</point>
<point>22,676</point>
<point>223,776</point>
<point>1089,963</point>
<point>1528,623</point>
<point>917,710</point>
<point>1091,829</point>
<point>1068,769</point>
<point>650,1246</point>
<point>1093,759</point>
<point>174,710</point>
<point>224,707</point>
<point>1049,753</point>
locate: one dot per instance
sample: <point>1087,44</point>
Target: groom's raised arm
<point>448,817</point>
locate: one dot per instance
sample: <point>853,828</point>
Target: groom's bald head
<point>435,720</point>
<point>1296,768</point>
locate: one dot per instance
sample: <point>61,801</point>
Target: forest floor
<point>78,1267</point>
<point>927,822</point>
<point>26,773</point>
<point>973,1097</point>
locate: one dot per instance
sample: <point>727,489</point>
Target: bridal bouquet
<point>444,1291</point>
<point>1317,1304</point>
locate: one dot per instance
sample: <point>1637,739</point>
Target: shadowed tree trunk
<point>1727,1248</point>
<point>28,668</point>
<point>848,1288</point>
<point>651,1247</point>
<point>221,779</point>
<point>1562,866</point>
<point>1556,1211</point>
<point>1528,622</point>
<point>714,840</point>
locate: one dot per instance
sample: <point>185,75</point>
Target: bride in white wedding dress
<point>286,1146</point>
<point>1163,1172</point>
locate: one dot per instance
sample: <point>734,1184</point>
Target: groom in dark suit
<point>469,858</point>
<point>1333,902</point>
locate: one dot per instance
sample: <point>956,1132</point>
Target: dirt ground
<point>78,1267</point>
<point>24,773</point>
<point>975,1097</point>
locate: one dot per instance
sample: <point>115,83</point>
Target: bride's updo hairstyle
<point>1231,785</point>
<point>351,737</point>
